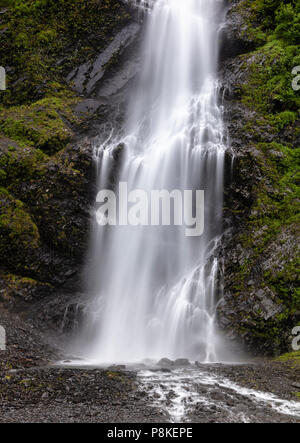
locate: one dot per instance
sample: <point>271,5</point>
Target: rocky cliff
<point>261,250</point>
<point>70,65</point>
<point>56,56</point>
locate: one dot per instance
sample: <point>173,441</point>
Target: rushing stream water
<point>193,395</point>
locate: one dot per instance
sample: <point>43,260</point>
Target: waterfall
<point>154,290</point>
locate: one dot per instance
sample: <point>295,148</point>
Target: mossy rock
<point>262,198</point>
<point>19,164</point>
<point>42,41</point>
<point>21,288</point>
<point>19,235</point>
<point>45,124</point>
<point>292,358</point>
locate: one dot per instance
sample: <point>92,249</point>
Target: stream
<point>201,395</point>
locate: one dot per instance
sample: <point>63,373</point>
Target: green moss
<point>41,43</point>
<point>3,176</point>
<point>269,86</point>
<point>285,284</point>
<point>284,119</point>
<point>276,205</point>
<point>42,124</point>
<point>22,164</point>
<point>38,34</point>
<point>18,286</point>
<point>18,233</point>
<point>273,218</point>
<point>268,92</point>
<point>269,19</point>
<point>293,358</point>
<point>4,3</point>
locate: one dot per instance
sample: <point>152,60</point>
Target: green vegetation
<point>276,29</point>
<point>41,43</point>
<point>6,3</point>
<point>41,124</point>
<point>292,358</point>
<point>18,286</point>
<point>43,40</point>
<point>282,18</point>
<point>19,235</point>
<point>19,165</point>
<point>273,128</point>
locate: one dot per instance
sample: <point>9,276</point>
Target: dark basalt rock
<point>234,39</point>
<point>86,78</point>
<point>182,362</point>
<point>165,363</point>
<point>58,201</point>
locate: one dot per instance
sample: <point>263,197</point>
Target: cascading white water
<point>154,289</point>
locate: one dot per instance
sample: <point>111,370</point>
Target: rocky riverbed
<point>33,390</point>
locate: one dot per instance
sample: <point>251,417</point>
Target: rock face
<point>261,303</point>
<point>46,146</point>
<point>44,218</point>
<point>234,36</point>
<point>86,78</point>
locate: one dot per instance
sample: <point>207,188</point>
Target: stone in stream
<point>182,362</point>
<point>179,363</point>
<point>116,368</point>
<point>163,370</point>
<point>165,363</point>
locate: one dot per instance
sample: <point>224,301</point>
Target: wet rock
<point>116,368</point>
<point>218,395</point>
<point>165,363</point>
<point>267,305</point>
<point>73,397</point>
<point>182,362</point>
<point>88,106</point>
<point>254,299</point>
<point>234,38</point>
<point>118,151</point>
<point>86,78</point>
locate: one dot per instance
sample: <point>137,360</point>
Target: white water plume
<point>154,290</point>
